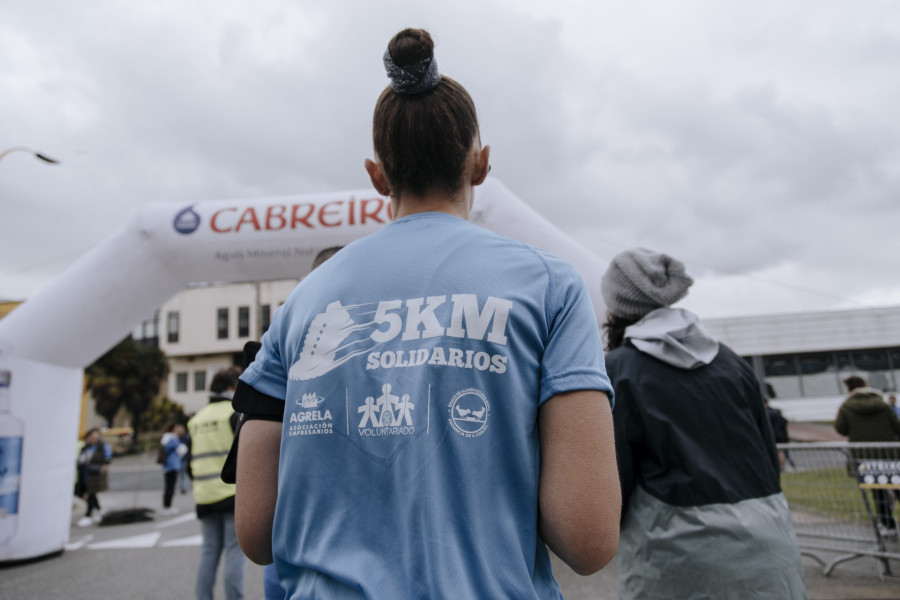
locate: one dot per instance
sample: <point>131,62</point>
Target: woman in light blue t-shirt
<point>429,410</point>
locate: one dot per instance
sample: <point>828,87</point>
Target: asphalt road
<point>158,559</point>
<point>131,478</point>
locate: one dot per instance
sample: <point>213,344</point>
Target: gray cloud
<point>755,143</point>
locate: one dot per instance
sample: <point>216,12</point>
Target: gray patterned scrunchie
<point>417,77</point>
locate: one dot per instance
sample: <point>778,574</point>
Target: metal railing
<point>843,500</point>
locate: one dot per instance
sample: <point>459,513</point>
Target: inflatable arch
<point>47,341</point>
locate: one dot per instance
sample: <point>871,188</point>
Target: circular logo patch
<point>187,221</point>
<point>469,411</point>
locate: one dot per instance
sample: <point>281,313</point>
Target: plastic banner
<point>48,340</point>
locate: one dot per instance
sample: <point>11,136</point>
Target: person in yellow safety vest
<point>212,430</point>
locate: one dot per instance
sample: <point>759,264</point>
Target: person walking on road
<point>866,417</point>
<point>212,432</point>
<point>93,474</point>
<point>173,450</point>
<point>892,400</point>
<point>703,515</point>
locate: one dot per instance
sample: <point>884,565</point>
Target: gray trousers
<point>218,538</point>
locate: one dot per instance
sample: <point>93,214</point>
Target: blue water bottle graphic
<point>11,430</point>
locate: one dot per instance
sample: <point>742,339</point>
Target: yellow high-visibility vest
<point>211,437</point>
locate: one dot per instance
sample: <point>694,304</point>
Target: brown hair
<point>853,382</point>
<point>423,139</point>
<point>225,379</point>
<point>324,255</point>
<point>614,329</point>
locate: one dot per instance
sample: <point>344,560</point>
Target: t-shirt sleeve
<point>267,373</point>
<point>573,356</point>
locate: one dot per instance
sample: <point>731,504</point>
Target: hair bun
<point>409,62</point>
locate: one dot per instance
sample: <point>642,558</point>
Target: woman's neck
<point>458,204</point>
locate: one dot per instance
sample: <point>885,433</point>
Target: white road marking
<point>79,544</point>
<point>193,540</point>
<point>191,516</point>
<point>147,540</point>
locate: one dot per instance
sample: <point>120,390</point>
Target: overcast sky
<point>756,141</point>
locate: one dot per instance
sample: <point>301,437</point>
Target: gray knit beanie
<point>640,280</point>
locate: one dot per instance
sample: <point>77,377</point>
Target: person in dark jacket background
<point>93,466</point>
<point>780,430</point>
<point>866,417</point>
<point>703,515</point>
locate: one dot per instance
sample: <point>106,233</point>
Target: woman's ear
<point>378,178</point>
<point>482,165</point>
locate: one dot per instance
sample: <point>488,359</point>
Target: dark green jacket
<point>866,417</point>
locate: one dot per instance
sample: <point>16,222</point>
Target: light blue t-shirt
<point>413,364</point>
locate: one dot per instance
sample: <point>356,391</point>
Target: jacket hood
<point>865,401</point>
<point>674,336</point>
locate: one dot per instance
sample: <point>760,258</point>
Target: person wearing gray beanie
<point>703,515</point>
<point>640,280</point>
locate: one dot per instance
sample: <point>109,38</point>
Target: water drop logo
<point>187,220</point>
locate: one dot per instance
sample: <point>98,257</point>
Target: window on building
<point>199,381</point>
<point>222,324</point>
<point>243,321</point>
<point>820,374</point>
<point>266,316</point>
<point>172,327</point>
<point>150,326</point>
<point>782,373</point>
<point>181,380</point>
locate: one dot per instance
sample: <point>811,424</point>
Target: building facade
<point>204,329</point>
<point>7,306</point>
<point>805,357</point>
<point>801,359</point>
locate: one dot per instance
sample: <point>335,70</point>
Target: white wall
<point>809,332</point>
<point>197,308</point>
<point>193,400</point>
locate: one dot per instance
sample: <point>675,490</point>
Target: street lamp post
<point>38,155</point>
